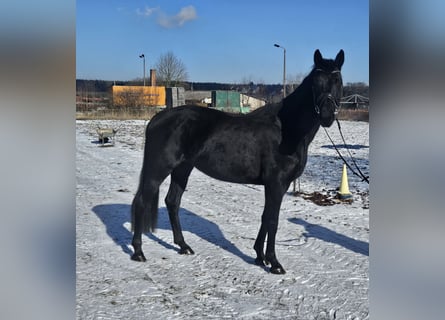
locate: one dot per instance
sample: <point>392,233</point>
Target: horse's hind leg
<point>144,209</point>
<point>142,202</point>
<point>179,178</point>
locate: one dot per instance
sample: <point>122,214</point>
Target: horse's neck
<point>298,120</point>
<point>300,104</point>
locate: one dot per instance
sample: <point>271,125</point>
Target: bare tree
<point>170,69</point>
<point>294,80</point>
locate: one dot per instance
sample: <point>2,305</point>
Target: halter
<point>329,95</point>
<point>335,71</point>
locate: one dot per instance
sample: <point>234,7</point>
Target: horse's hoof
<point>277,270</point>
<point>186,251</point>
<point>138,257</point>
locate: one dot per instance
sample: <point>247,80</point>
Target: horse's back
<point>224,146</point>
<point>178,131</point>
<point>196,121</point>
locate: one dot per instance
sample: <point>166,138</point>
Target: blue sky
<point>220,41</point>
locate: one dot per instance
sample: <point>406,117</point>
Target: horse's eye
<point>337,80</point>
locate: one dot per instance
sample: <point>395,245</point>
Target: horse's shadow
<point>327,235</point>
<point>346,146</point>
<point>115,216</point>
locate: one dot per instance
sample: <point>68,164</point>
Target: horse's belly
<point>233,153</point>
<point>230,177</point>
<point>231,169</point>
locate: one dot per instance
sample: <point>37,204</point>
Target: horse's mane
<point>267,109</point>
<point>273,109</point>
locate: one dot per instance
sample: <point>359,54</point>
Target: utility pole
<point>284,68</point>
<point>143,57</point>
<point>284,96</point>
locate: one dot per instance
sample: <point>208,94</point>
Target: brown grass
<point>353,115</point>
<point>118,114</point>
<point>148,113</point>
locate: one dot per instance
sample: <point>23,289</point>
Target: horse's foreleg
<point>179,178</point>
<point>259,243</point>
<point>270,220</point>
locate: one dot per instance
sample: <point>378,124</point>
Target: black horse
<point>266,147</point>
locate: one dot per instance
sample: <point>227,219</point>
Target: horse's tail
<point>151,216</point>
<point>144,210</point>
<point>149,211</point>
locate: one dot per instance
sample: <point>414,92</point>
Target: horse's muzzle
<point>328,110</point>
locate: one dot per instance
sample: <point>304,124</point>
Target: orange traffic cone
<point>344,193</point>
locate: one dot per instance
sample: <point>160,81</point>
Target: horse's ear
<point>318,59</point>
<point>340,58</point>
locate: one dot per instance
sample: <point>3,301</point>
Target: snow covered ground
<point>324,249</point>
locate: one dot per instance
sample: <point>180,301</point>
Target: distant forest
<point>262,91</point>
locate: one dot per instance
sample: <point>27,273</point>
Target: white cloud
<point>147,11</point>
<point>184,15</point>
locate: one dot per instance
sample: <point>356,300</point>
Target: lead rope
<point>360,174</point>
<point>364,178</point>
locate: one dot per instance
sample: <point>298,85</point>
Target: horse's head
<point>327,86</point>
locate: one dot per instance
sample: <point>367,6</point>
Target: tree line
<point>171,71</point>
<point>262,91</point>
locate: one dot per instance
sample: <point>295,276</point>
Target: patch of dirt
<point>365,199</point>
<point>322,199</point>
<point>318,198</point>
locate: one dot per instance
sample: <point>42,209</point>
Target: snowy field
<point>324,249</point>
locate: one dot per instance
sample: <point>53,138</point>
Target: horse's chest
<point>300,164</point>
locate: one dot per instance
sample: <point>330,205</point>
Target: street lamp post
<point>284,96</point>
<point>284,68</point>
<point>143,57</point>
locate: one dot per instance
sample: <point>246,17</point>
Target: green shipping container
<point>228,101</point>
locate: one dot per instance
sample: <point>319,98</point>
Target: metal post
<point>284,74</point>
<point>143,57</point>
<point>284,96</point>
<point>284,68</point>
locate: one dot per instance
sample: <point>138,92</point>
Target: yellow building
<point>138,96</point>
